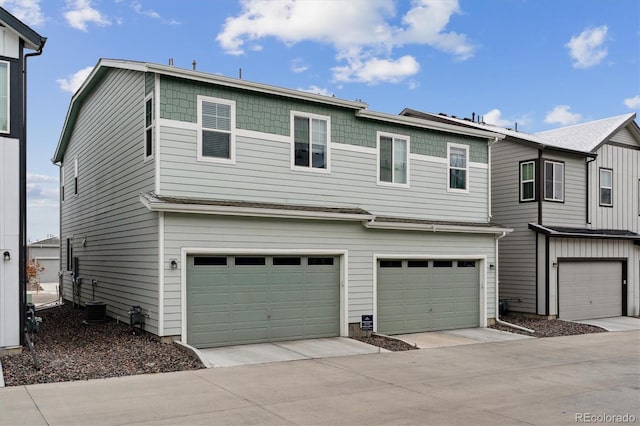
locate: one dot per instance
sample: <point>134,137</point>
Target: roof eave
<point>32,39</point>
<point>551,233</point>
<point>439,227</point>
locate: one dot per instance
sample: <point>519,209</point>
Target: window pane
<point>148,113</point>
<point>301,136</point>
<point>385,159</point>
<point>4,99</point>
<point>216,144</point>
<point>250,261</point>
<point>210,261</point>
<point>548,180</point>
<point>457,179</point>
<point>527,191</point>
<point>605,178</point>
<point>558,180</point>
<point>605,196</point>
<point>418,264</point>
<point>391,263</point>
<point>527,171</point>
<point>287,261</point>
<point>442,264</point>
<point>400,161</point>
<point>149,142</point>
<point>320,261</point>
<point>458,157</point>
<point>216,116</point>
<point>319,128</point>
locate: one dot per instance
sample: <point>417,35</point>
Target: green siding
<point>270,114</point>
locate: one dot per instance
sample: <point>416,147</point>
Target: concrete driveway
<point>466,336</point>
<point>549,381</point>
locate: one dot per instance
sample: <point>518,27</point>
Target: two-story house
<point>572,197</point>
<point>236,212</point>
<point>15,37</point>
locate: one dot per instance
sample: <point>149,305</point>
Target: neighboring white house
<point>237,212</point>
<point>46,253</point>
<point>14,38</point>
<point>572,196</point>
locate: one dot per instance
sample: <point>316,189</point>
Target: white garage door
<point>589,290</point>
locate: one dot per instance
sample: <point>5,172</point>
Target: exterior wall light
<point>173,263</point>
<point>6,256</point>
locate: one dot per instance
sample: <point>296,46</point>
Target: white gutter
<point>372,224</point>
<point>497,307</point>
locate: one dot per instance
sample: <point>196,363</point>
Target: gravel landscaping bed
<point>70,349</point>
<point>545,327</point>
<point>388,343</point>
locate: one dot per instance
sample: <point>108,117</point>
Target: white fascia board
<point>433,227</point>
<point>249,211</point>
<point>433,125</point>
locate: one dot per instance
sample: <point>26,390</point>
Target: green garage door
<point>589,290</point>
<point>234,300</point>
<point>427,295</point>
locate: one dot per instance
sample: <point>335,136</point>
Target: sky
<point>540,63</point>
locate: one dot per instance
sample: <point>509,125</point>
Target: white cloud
<point>80,13</point>
<point>360,31</point>
<point>587,48</point>
<point>495,117</point>
<point>37,178</point>
<point>73,81</point>
<point>633,103</point>
<point>137,7</point>
<point>318,91</point>
<point>298,65</point>
<point>28,11</point>
<point>560,115</point>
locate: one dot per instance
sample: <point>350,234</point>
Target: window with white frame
<point>148,127</point>
<point>528,181</point>
<point>606,187</point>
<point>393,158</point>
<point>216,121</point>
<point>62,182</point>
<point>310,141</point>
<point>553,181</point>
<point>458,165</point>
<point>4,96</point>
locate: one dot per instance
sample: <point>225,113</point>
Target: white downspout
<point>497,307</point>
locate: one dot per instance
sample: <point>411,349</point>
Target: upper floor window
<point>216,122</point>
<point>553,181</point>
<point>62,182</point>
<point>148,126</point>
<point>606,187</point>
<point>458,165</point>
<point>75,176</point>
<point>393,158</point>
<point>4,97</point>
<point>528,181</point>
<point>310,141</point>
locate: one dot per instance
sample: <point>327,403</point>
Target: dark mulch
<point>545,327</point>
<point>388,343</point>
<point>70,349</point>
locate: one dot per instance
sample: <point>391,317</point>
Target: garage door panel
<point>589,289</point>
<point>419,298</point>
<point>244,303</point>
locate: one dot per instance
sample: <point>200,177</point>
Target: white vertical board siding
<point>262,173</point>
<point>121,235</point>
<point>596,248</point>
<point>624,214</point>
<point>216,232</point>
<point>9,241</point>
<point>517,263</point>
<point>571,212</point>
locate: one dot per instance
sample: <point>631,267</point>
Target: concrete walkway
<point>615,323</point>
<point>550,381</point>
<point>466,336</point>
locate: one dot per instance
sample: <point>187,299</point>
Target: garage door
<point>427,295</point>
<point>235,300</point>
<point>589,290</point>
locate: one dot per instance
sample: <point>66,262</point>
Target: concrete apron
<point>466,336</point>
<point>261,353</point>
<point>615,323</point>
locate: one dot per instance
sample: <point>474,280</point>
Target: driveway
<point>547,381</point>
<point>615,323</point>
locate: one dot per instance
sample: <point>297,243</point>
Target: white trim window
<point>606,187</point>
<point>310,147</point>
<point>216,130</point>
<point>4,97</point>
<point>62,182</point>
<point>553,181</point>
<point>393,159</point>
<point>149,120</point>
<point>458,167</point>
<point>528,181</point>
